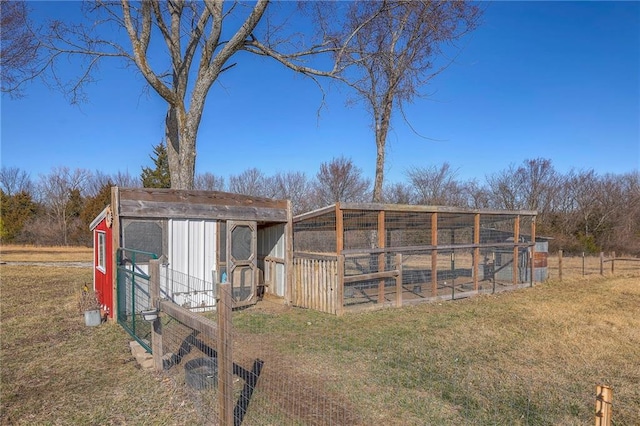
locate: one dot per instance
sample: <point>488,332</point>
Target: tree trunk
<point>382,129</point>
<point>181,150</point>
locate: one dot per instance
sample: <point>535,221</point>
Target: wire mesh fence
<point>188,291</point>
<point>298,367</point>
<point>575,266</point>
<point>133,293</point>
<point>500,361</point>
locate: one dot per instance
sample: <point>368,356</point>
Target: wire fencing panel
<point>190,292</point>
<point>576,266</point>
<point>485,361</point>
<point>133,294</point>
<point>269,385</point>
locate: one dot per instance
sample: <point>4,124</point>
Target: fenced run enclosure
<point>270,364</point>
<point>352,256</point>
<point>226,371</point>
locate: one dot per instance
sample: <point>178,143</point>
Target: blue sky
<point>557,80</point>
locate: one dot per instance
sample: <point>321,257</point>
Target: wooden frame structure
<point>195,231</point>
<point>344,244</point>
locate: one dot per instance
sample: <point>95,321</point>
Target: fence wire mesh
<point>133,293</point>
<point>407,367</point>
<point>482,363</point>
<point>190,292</point>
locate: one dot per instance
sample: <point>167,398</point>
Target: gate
<point>132,287</point>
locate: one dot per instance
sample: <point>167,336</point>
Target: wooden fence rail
<point>319,282</point>
<point>612,259</point>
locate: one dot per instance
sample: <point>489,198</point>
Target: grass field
<point>532,356</point>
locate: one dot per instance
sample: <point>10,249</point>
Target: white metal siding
<point>192,247</point>
<point>271,242</point>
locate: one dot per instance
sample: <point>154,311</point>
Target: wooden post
<point>156,327</point>
<point>613,257</point>
<point>601,263</point>
<point>382,256</point>
<point>226,403</point>
<point>339,229</point>
<point>560,265</point>
<point>288,258</point>
<point>476,250</point>
<point>434,254</point>
<point>516,250</point>
<point>533,251</point>
<point>340,286</point>
<point>604,398</point>
<point>399,280</point>
<point>115,245</point>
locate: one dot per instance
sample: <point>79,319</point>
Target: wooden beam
<point>381,256</point>
<point>399,280</point>
<point>368,277</point>
<point>476,250</point>
<point>226,401</point>
<point>339,229</point>
<point>156,326</point>
<point>189,197</point>
<point>115,245</point>
<point>533,250</point>
<point>288,255</point>
<point>516,250</point>
<point>188,318</point>
<point>340,287</point>
<point>434,254</point>
<point>166,209</point>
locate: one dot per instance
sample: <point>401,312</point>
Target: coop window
<point>144,235</point>
<point>102,250</point>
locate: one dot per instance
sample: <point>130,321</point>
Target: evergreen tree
<point>15,211</point>
<point>158,177</point>
<point>94,205</point>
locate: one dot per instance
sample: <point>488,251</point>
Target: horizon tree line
<point>581,211</point>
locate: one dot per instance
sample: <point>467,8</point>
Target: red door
<point>102,266</point>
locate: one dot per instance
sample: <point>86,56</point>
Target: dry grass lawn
<point>22,253</point>
<point>529,357</point>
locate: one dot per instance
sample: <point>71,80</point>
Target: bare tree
<point>56,191</point>
<point>436,185</point>
<point>531,186</point>
<point>252,182</point>
<point>340,180</point>
<point>14,180</point>
<point>477,197</point>
<point>209,182</point>
<point>19,46</point>
<point>199,40</point>
<point>295,186</point>
<point>97,180</point>
<point>392,50</point>
<point>125,180</point>
<point>627,228</point>
<point>399,193</point>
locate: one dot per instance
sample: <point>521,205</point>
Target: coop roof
<point>172,203</point>
<point>98,218</point>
